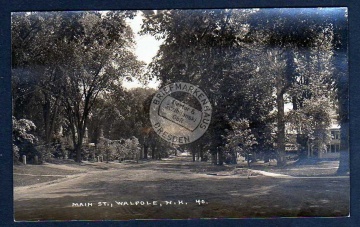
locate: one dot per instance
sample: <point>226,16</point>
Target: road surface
<point>178,189</point>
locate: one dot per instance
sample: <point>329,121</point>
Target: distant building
<point>334,145</point>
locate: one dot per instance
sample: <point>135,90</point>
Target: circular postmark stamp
<point>180,113</point>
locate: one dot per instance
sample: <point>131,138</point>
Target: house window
<point>332,148</point>
<point>335,135</point>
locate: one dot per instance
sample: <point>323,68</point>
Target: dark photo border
<point>6,163</point>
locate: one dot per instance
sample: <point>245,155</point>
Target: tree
<point>81,54</point>
<point>307,32</point>
<point>313,121</point>
<point>120,113</point>
<point>206,48</point>
<point>35,72</point>
<point>314,97</point>
<point>240,140</point>
<point>106,58</point>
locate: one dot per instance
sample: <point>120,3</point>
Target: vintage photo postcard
<point>180,114</point>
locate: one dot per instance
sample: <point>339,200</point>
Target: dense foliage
<point>252,64</point>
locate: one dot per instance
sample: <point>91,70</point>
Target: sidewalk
<point>303,168</point>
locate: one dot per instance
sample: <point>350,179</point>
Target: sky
<point>146,48</point>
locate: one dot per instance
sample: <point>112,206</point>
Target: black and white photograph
<point>180,114</point>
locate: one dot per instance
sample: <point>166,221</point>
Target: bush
<point>23,141</point>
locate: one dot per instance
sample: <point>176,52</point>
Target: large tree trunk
<point>159,151</point>
<point>234,157</point>
<point>46,117</point>
<point>53,118</point>
<point>146,147</point>
<point>214,157</point>
<point>78,153</point>
<point>78,132</point>
<point>152,151</point>
<point>50,114</point>
<point>79,146</point>
<point>81,122</point>
<point>280,130</point>
<point>201,153</point>
<point>49,117</point>
<point>221,157</point>
<point>283,82</point>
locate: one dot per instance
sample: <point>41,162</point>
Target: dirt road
<point>178,189</point>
